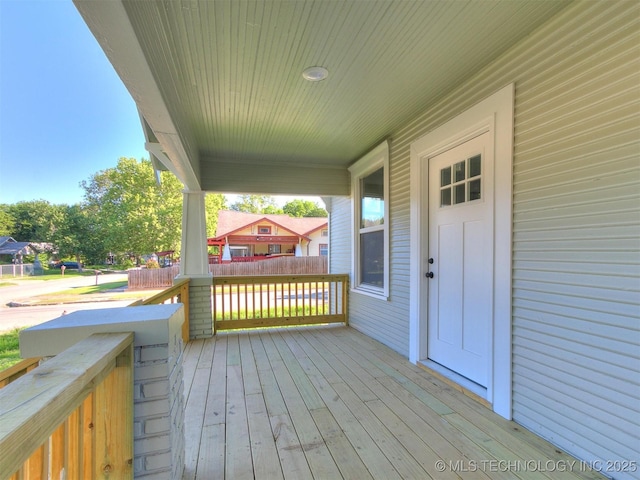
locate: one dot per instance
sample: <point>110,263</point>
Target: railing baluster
<point>278,300</point>
<point>87,432</point>
<point>72,464</point>
<point>58,449</point>
<point>261,310</point>
<point>333,296</point>
<point>268,300</point>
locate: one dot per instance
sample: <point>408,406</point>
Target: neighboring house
<point>251,235</point>
<point>492,232</point>
<point>12,251</point>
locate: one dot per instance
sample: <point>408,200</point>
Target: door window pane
<point>475,166</point>
<point>458,193</point>
<point>459,171</point>
<point>445,197</point>
<point>445,177</point>
<point>474,190</point>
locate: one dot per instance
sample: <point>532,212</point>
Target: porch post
<point>194,264</point>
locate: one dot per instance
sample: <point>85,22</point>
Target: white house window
<point>370,185</point>
<point>264,229</point>
<point>324,249</point>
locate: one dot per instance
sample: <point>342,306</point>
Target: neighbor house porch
<point>329,402</point>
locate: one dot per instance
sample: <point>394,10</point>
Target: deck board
<point>329,402</point>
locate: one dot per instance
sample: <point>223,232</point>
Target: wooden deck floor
<point>331,403</point>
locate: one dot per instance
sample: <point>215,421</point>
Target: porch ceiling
<point>219,83</point>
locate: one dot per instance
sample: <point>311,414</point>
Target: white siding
<point>576,308</point>
<point>339,209</point>
<point>576,247</point>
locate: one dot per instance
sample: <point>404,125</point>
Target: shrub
<point>152,264</point>
<point>126,263</point>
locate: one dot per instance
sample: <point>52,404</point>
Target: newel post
<point>154,406</point>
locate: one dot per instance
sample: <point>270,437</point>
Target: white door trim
<point>494,114</point>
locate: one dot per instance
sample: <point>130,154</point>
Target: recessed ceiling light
<point>315,74</point>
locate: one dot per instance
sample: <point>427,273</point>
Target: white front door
<point>460,259</point>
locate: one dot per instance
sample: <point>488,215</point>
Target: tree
<point>213,202</point>
<point>257,204</point>
<point>35,221</point>
<point>78,236</point>
<point>133,213</point>
<point>7,221</point>
<point>304,208</point>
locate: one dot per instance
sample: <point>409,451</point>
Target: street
<point>19,317</point>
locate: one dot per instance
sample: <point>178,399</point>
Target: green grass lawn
<point>9,351</point>
<point>90,289</point>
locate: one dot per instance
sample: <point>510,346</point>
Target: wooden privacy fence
<point>177,293</point>
<point>283,300</point>
<point>72,417</point>
<point>151,277</point>
<point>274,266</point>
<point>164,277</point>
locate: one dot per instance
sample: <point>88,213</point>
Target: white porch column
<point>194,264</point>
<point>194,260</point>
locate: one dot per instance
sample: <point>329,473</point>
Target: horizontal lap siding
<point>576,217</point>
<point>340,235</point>
<point>576,285</point>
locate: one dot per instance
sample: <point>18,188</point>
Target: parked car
<point>67,265</point>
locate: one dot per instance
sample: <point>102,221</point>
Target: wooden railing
<point>178,293</point>
<point>63,419</point>
<point>14,372</point>
<point>281,300</point>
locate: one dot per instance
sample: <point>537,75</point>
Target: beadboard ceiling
<point>219,83</point>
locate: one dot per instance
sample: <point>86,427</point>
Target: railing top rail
<point>36,403</point>
<point>258,279</point>
<point>18,367</point>
<point>166,293</point>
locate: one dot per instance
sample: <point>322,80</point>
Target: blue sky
<point>64,113</point>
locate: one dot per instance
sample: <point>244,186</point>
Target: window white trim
<point>494,114</point>
<point>369,163</point>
